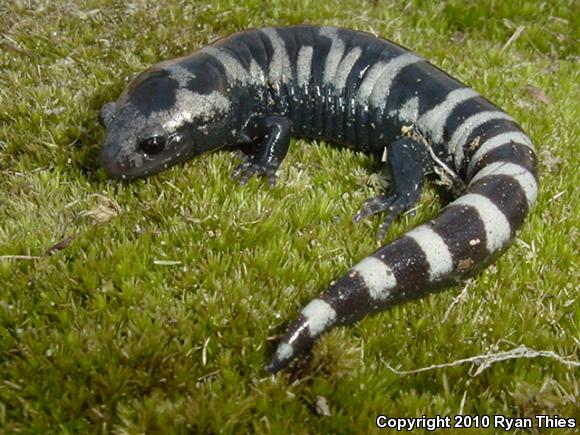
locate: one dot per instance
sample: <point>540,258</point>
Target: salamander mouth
<point>121,167</point>
<point>119,170</point>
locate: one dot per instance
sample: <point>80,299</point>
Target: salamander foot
<point>394,204</point>
<point>246,170</point>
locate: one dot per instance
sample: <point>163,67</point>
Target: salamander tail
<point>456,244</point>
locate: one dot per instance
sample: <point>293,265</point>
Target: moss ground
<point>153,313</point>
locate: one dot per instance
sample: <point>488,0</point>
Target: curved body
<point>255,89</point>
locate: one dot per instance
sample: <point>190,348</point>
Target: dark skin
<point>271,137</point>
<point>409,162</point>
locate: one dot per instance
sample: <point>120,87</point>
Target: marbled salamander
<point>255,89</point>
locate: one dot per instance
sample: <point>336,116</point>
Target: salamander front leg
<point>408,162</point>
<point>273,139</point>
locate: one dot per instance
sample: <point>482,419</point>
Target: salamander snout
<point>110,160</point>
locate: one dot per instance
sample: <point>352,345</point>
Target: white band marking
<point>319,315</point>
<point>382,86</point>
<point>525,179</point>
<point>433,121</point>
<point>280,67</point>
<point>345,67</point>
<point>284,351</point>
<point>378,277</point>
<point>497,227</point>
<point>304,66</point>
<point>190,106</point>
<point>235,72</point>
<point>461,134</point>
<point>498,141</point>
<point>334,55</point>
<point>435,249</point>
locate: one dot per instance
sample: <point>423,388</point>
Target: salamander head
<point>166,115</point>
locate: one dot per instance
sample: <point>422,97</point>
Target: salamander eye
<point>153,144</point>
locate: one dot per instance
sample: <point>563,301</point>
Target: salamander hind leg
<point>408,163</point>
<point>272,141</point>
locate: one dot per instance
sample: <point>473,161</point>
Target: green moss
<point>158,319</point>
